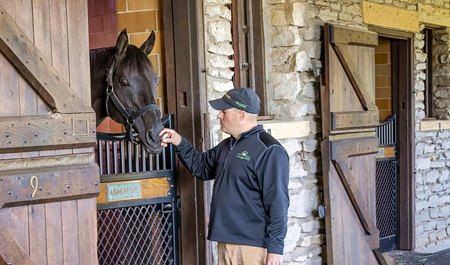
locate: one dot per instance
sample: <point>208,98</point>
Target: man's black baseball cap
<point>243,98</point>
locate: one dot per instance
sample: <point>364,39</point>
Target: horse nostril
<point>149,136</point>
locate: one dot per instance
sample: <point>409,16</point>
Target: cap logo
<point>238,103</point>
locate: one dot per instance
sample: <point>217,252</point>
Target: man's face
<point>230,121</point>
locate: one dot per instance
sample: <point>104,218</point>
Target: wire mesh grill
<point>386,181</point>
<point>135,235</point>
<point>141,231</point>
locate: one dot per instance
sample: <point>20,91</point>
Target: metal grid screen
<point>386,185</point>
<point>386,197</point>
<point>136,235</point>
<point>143,230</point>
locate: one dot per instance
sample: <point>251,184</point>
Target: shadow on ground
<point>397,257</point>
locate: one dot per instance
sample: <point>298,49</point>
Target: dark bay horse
<point>123,86</point>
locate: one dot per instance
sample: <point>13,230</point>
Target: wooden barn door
<point>349,146</point>
<point>48,175</point>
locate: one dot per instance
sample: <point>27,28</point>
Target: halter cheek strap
<point>130,118</point>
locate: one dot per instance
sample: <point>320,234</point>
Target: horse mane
<point>100,59</point>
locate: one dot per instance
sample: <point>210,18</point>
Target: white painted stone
<point>223,48</point>
<point>220,30</point>
<point>278,17</point>
<point>302,62</point>
<point>303,203</point>
<point>292,236</point>
<point>422,163</point>
<point>218,11</point>
<point>297,15</point>
<point>220,61</point>
<point>222,86</point>
<point>286,36</point>
<point>286,86</point>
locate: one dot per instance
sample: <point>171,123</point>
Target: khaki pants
<point>231,254</point>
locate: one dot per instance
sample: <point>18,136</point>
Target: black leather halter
<point>130,118</point>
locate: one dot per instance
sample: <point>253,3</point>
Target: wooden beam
<point>354,119</point>
<point>52,184</point>
<point>345,35</point>
<point>36,69</point>
<point>10,250</point>
<point>343,149</point>
<point>31,133</point>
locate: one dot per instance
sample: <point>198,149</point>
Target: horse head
<point>131,92</point>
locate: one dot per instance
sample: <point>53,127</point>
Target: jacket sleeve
<point>273,174</point>
<point>201,165</point>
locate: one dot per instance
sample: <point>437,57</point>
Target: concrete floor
<point>432,256</point>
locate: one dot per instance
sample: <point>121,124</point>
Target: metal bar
<point>100,156</point>
<point>122,156</point>
<point>130,157</point>
<point>108,157</point>
<point>143,158</point>
<point>116,170</point>
<point>136,157</point>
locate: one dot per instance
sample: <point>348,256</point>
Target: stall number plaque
<point>124,191</point>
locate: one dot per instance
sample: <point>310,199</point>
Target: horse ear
<point>121,45</point>
<point>147,46</point>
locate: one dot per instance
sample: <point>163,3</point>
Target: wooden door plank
<point>38,238</point>
<point>10,251</point>
<point>53,226</point>
<point>34,66</point>
<point>69,210</point>
<point>78,40</point>
<point>16,219</point>
<point>87,221</point>
<point>355,197</point>
<point>59,40</point>
<point>351,70</point>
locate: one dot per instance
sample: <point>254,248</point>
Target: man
<point>250,169</point>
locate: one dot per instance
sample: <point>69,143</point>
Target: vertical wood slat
<point>69,209</point>
<point>54,235</point>
<point>87,223</point>
<point>42,30</point>
<point>78,39</point>
<point>37,228</point>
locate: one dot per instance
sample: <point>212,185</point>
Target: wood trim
<point>36,69</point>
<point>343,149</point>
<point>11,252</point>
<point>391,33</point>
<point>344,35</point>
<point>354,119</point>
<point>53,184</point>
<point>33,133</point>
<point>188,119</point>
<point>353,75</point>
<point>169,58</point>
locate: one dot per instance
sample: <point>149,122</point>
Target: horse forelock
<point>100,59</point>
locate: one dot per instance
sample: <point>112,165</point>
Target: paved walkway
<point>398,257</point>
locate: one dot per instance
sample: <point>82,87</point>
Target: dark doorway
<point>395,179</point>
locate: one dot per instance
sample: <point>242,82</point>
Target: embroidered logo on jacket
<point>243,155</point>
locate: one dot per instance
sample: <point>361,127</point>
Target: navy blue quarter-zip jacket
<point>250,197</point>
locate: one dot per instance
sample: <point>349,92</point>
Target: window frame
<point>248,46</point>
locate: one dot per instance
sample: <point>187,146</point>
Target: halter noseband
<point>110,95</point>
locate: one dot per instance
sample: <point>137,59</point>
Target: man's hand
<point>169,136</point>
<point>274,259</point>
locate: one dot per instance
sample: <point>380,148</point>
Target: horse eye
<point>124,82</point>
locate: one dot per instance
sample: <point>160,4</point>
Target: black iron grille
<point>136,235</point>
<point>386,179</point>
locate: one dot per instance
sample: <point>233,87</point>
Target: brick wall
<point>383,91</point>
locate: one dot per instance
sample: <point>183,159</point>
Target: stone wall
<point>292,35</point>
<point>441,70</point>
